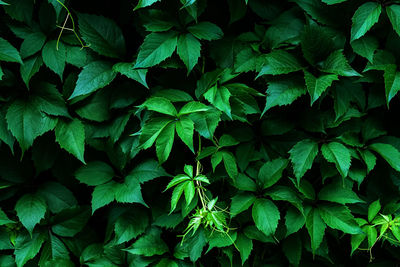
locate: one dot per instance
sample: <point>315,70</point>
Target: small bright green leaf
<point>144,3</point>
<point>317,86</point>
<point>338,154</point>
<point>185,129</point>
<point>364,18</point>
<point>160,105</point>
<point>164,142</point>
<point>373,210</point>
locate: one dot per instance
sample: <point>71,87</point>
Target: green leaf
<point>32,43</point>
<point>192,107</point>
<point>149,244</point>
<point>147,171</point>
<point>206,123</point>
<point>71,137</point>
<point>373,210</point>
<point>151,130</point>
<point>30,210</point>
<point>364,18</point>
<point>30,67</point>
<point>241,202</point>
<point>271,172</point>
<point>316,228</point>
<point>369,158</point>
<point>284,193</point>
<point>335,192</point>
<point>164,142</point>
<point>57,196</point>
<point>129,191</point>
<point>230,164</point>
<point>332,2</point>
<point>302,156</point>
<point>94,76</point>
<point>365,47</point>
<point>316,43</point>
<point>265,215</point>
<point>316,86</point>
<point>337,63</point>
<point>103,195</point>
<point>339,217</point>
<point>127,69</point>
<point>185,129</point>
<point>26,247</point>
<point>294,221</point>
<point>219,97</point>
<point>188,50</point>
<point>8,52</point>
<point>55,57</point>
<point>393,13</point>
<point>4,219</point>
<point>94,173</point>
<point>292,247</point>
<point>388,153</point>
<point>283,92</point>
<point>280,62</point>
<point>245,246</point>
<point>338,154</point>
<point>160,105</point>
<point>26,122</point>
<point>130,225</point>
<point>156,48</point>
<point>102,35</point>
<point>71,221</point>
<point>206,31</point>
<point>144,3</point>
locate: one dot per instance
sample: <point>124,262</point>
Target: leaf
<point>364,18</point>
<point>151,130</point>
<point>245,246</point>
<point>129,191</point>
<point>206,31</point>
<point>373,210</point>
<point>316,43</point>
<point>57,196</point>
<point>302,156</point>
<point>71,137</point>
<point>26,122</point>
<point>94,76</point>
<point>337,63</point>
<point>32,43</point>
<point>71,221</point>
<point>8,52</point>
<point>271,172</point>
<point>265,215</point>
<point>156,48</point>
<point>230,164</point>
<point>30,67</point>
<point>160,105</point>
<point>294,221</point>
<point>55,57</point>
<point>102,35</point>
<point>292,247</point>
<point>206,123</point>
<point>339,194</point>
<point>365,47</point>
<point>388,153</point>
<point>26,247</point>
<point>241,202</point>
<point>283,92</point>
<point>339,217</point>
<point>392,82</point>
<point>144,3</point>
<point>339,155</point>
<point>147,171</point>
<point>149,244</point>
<point>393,13</point>
<point>164,142</point>
<point>192,107</point>
<point>94,173</point>
<point>219,97</point>
<point>188,50</point>
<point>316,86</point>
<point>280,62</point>
<point>185,129</point>
<point>30,210</point>
<point>103,195</point>
<point>130,225</point>
<point>333,2</point>
<point>127,69</point>
<point>316,228</point>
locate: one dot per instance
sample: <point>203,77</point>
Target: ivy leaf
<point>160,105</point>
<point>302,156</point>
<point>149,244</point>
<point>94,76</point>
<point>388,153</point>
<point>365,47</point>
<point>339,155</point>
<point>57,196</point>
<point>271,172</point>
<point>185,129</point>
<point>206,31</point>
<point>316,228</point>
<point>339,194</point>
<point>364,18</point>
<point>316,86</point>
<point>144,3</point>
<point>32,43</point>
<point>188,50</point>
<point>8,52</point>
<point>129,191</point>
<point>30,67</point>
<point>230,164</point>
<point>164,142</point>
<point>55,58</point>
<point>151,130</point>
<point>156,48</point>
<point>27,247</point>
<point>147,171</point>
<point>336,63</point>
<point>127,69</point>
<point>103,195</point>
<point>339,217</point>
<point>130,225</point>
<point>265,215</point>
<point>71,137</point>
<point>393,13</point>
<point>219,97</point>
<point>94,173</point>
<point>102,35</point>
<point>241,202</point>
<point>280,62</point>
<point>373,210</point>
<point>30,210</point>
<point>245,246</point>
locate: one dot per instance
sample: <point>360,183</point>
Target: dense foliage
<point>199,133</point>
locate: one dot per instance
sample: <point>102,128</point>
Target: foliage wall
<point>199,133</point>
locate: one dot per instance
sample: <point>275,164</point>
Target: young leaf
<point>302,156</point>
<point>156,48</point>
<point>364,18</point>
<point>339,155</point>
<point>265,215</point>
<point>30,210</point>
<point>373,210</point>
